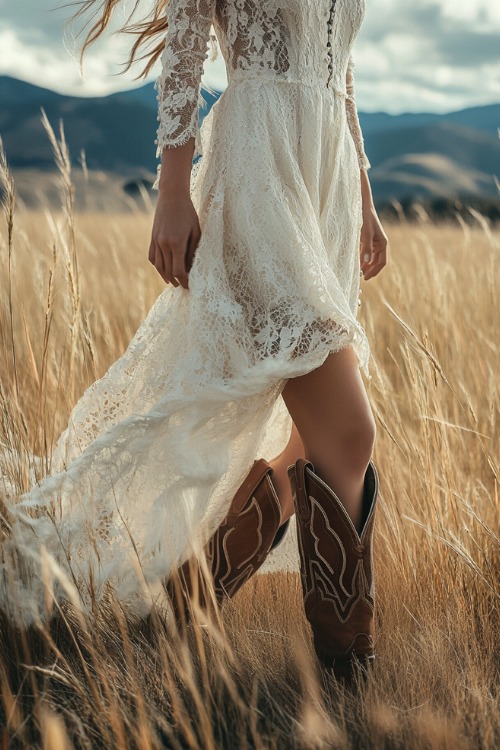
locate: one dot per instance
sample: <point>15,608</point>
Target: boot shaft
<point>235,552</point>
<point>336,564</point>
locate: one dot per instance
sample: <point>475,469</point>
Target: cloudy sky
<point>424,55</point>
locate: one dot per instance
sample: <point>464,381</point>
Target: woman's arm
<point>179,83</point>
<point>176,230</point>
<point>373,240</point>
<point>353,119</point>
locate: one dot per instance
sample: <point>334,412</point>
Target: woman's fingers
<point>161,260</point>
<point>169,275</point>
<point>175,236</point>
<point>152,252</point>
<point>179,264</point>
<point>172,253</point>
<point>373,243</point>
<point>377,262</point>
<point>169,261</point>
<point>366,258</point>
<point>183,257</point>
<point>373,246</point>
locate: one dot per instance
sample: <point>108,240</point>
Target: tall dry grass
<point>74,288</point>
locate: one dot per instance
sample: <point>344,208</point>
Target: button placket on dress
<point>329,24</point>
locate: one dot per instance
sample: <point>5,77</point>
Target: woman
<point>252,348</point>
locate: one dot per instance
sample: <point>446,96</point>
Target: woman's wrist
<point>173,186</point>
<point>366,191</point>
<point>176,165</point>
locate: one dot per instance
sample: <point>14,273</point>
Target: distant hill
<point>417,155</point>
<point>435,159</point>
<point>117,131</point>
<point>485,118</point>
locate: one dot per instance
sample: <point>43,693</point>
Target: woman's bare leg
<point>293,451</point>
<point>331,411</point>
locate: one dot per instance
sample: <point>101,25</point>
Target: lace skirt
<point>155,450</point>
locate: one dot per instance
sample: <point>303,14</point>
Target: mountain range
<point>413,155</point>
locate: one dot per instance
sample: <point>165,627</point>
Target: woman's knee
<point>353,443</point>
<point>349,445</point>
<point>331,409</point>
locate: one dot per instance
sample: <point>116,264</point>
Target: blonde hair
<point>148,29</point>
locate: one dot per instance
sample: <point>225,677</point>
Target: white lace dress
<point>155,450</point>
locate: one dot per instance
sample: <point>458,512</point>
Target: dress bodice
<point>296,40</point>
<point>300,41</point>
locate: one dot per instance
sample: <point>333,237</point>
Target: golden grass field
<point>74,288</point>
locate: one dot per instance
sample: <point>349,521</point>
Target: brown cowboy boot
<point>238,548</point>
<point>336,570</point>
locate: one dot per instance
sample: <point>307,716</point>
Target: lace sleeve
<point>179,82</point>
<point>353,119</point>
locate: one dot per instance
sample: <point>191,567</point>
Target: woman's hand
<point>374,241</point>
<point>176,229</point>
<point>175,236</point>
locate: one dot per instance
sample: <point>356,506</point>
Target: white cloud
<point>481,13</point>
<point>52,67</point>
<point>437,55</point>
